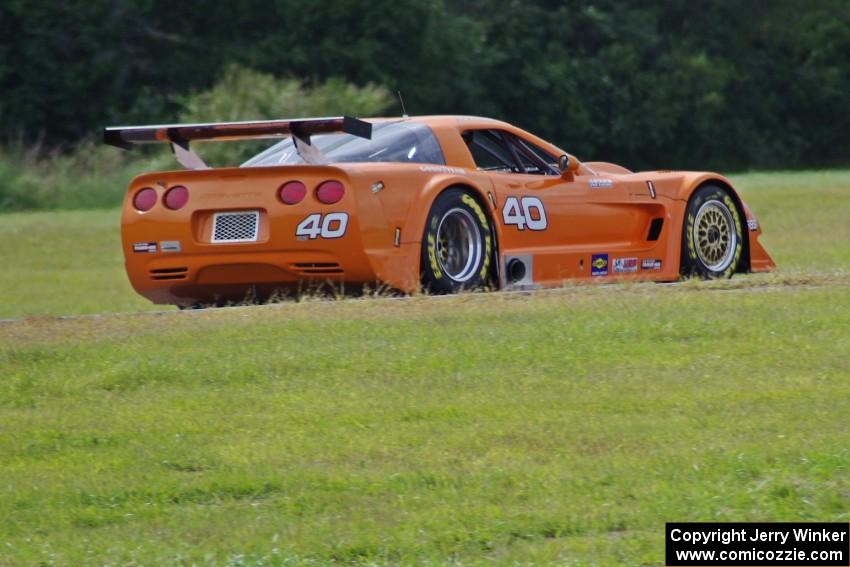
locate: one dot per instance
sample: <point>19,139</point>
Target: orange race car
<point>438,202</point>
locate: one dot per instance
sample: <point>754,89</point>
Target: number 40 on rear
<point>331,225</point>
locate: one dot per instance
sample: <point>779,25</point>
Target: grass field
<point>560,427</point>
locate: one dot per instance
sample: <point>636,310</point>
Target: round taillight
<point>176,197</point>
<point>145,199</point>
<point>292,192</point>
<point>330,192</point>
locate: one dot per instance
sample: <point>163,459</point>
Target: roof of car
<point>447,121</point>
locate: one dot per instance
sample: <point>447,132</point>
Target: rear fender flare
<point>414,226</point>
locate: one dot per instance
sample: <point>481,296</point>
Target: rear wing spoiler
<point>180,135</point>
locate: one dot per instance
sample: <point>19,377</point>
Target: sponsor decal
<point>599,265</point>
<point>441,169</point>
<point>600,183</point>
<point>752,224</point>
<point>625,265</point>
<point>144,247</point>
<point>650,264</point>
<point>169,246</point>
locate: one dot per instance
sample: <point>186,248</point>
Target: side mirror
<point>567,164</point>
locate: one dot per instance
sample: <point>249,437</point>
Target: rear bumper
<point>188,279</point>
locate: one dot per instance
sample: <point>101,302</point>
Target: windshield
<point>405,142</point>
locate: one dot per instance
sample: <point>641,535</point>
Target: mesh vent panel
<point>235,227</point>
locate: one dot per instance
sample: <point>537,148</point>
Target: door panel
<point>558,224</point>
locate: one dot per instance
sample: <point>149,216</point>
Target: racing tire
<point>457,245</point>
<point>712,237</point>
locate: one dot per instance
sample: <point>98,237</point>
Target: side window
<point>535,160</point>
<point>528,165</point>
<point>489,151</point>
<point>494,150</point>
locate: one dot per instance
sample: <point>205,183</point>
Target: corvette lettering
<point>600,183</point>
<point>441,169</point>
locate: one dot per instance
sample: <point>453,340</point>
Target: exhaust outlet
<point>517,272</point>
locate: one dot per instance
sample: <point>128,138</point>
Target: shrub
<point>245,94</point>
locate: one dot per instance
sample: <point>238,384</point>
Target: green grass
<point>560,427</point>
<point>805,217</point>
<point>64,262</point>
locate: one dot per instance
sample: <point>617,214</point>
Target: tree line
<point>725,84</point>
